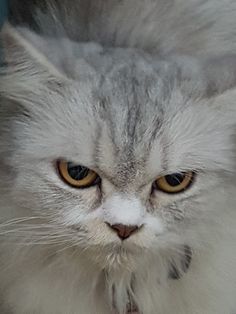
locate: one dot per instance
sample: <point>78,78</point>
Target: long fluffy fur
<point>136,89</point>
<point>184,27</point>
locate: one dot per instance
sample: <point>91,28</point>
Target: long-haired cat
<point>117,157</point>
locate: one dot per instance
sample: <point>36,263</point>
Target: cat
<point>117,157</point>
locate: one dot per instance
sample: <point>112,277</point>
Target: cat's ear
<point>27,74</point>
<point>220,74</point>
<point>206,76</point>
<point>220,87</point>
<point>24,49</point>
<point>211,78</point>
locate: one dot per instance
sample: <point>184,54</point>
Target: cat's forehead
<point>124,71</point>
<point>137,86</point>
<point>130,115</point>
<point>135,96</point>
<point>130,89</point>
<point>132,101</point>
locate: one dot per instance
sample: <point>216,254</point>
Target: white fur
<point>118,210</point>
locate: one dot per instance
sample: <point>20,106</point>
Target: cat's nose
<point>123,231</point>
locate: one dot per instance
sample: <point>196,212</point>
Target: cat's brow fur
<point>134,90</point>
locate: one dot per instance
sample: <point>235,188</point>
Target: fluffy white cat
<point>117,158</point>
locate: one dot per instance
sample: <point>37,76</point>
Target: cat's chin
<point>121,261</point>
<point>117,256</point>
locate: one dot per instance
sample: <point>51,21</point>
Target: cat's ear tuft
<point>24,48</point>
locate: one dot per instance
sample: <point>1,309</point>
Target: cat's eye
<point>76,175</point>
<point>175,183</point>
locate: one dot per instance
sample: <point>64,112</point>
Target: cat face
<point>140,125</point>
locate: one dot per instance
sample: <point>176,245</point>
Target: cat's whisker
<point>18,220</point>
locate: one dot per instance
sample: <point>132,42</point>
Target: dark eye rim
<point>97,181</point>
<point>191,182</point>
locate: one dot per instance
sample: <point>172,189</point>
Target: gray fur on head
<point>150,93</point>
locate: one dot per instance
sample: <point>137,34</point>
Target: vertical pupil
<point>77,172</point>
<point>175,179</point>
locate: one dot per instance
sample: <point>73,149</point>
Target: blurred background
<point>3,11</point>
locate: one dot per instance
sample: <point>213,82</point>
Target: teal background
<point>3,11</point>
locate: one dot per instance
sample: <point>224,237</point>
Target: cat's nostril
<point>123,231</point>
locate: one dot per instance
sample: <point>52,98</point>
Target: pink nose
<point>123,232</point>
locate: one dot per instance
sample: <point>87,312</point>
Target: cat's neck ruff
<point>174,274</point>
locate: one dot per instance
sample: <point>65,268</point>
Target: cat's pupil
<point>77,172</point>
<point>175,179</point>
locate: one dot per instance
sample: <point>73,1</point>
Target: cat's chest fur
<point>59,290</point>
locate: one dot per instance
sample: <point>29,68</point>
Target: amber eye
<point>76,175</point>
<point>175,183</point>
